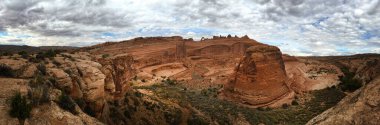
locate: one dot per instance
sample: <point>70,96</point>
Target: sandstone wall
<point>260,77</point>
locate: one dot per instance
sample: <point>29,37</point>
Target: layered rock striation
<point>260,77</point>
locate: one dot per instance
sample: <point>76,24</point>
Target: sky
<point>297,27</point>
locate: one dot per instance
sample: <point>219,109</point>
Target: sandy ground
<point>305,78</point>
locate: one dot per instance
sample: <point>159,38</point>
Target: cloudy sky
<point>298,27</point>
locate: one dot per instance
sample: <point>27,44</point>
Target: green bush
<point>39,90</point>
<point>6,54</point>
<point>55,62</point>
<point>6,71</point>
<point>347,82</point>
<point>66,103</point>
<point>170,82</point>
<point>23,54</point>
<point>294,102</point>
<point>20,108</point>
<point>105,55</point>
<point>40,56</point>
<point>51,53</point>
<point>34,60</point>
<point>285,106</point>
<point>260,109</point>
<point>42,68</point>
<point>197,120</point>
<point>89,111</point>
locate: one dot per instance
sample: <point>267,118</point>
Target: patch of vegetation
<point>173,117</point>
<point>67,103</point>
<point>39,94</point>
<point>34,60</point>
<point>55,62</point>
<point>348,82</point>
<point>105,56</point>
<point>23,54</point>
<point>68,57</point>
<point>168,81</point>
<point>42,69</point>
<point>5,54</point>
<point>47,54</point>
<point>88,110</point>
<point>197,120</point>
<point>20,108</point>
<point>224,112</point>
<point>6,71</point>
<point>294,102</point>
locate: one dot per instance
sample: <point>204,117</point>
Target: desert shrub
<point>105,55</point>
<point>285,106</point>
<point>268,109</point>
<point>80,102</point>
<point>260,109</point>
<point>34,60</point>
<point>197,120</point>
<point>23,54</point>
<point>143,80</point>
<point>40,56</point>
<point>68,56</point>
<point>39,90</point>
<point>170,82</point>
<point>48,54</point>
<point>173,117</point>
<point>88,110</point>
<point>55,62</point>
<point>294,102</point>
<point>51,53</point>
<point>66,103</point>
<point>138,94</point>
<point>6,54</point>
<point>41,68</point>
<point>39,95</point>
<point>20,108</point>
<point>135,78</point>
<point>6,71</point>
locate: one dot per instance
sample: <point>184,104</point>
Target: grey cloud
<point>308,26</point>
<point>262,1</point>
<point>21,13</point>
<point>15,40</point>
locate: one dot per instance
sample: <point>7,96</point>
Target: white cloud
<point>298,27</point>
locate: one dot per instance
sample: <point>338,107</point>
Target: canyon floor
<point>225,80</point>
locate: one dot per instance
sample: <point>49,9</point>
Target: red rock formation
<point>260,77</point>
<point>181,50</point>
<point>118,70</point>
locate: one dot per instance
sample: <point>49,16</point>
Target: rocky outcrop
<point>360,108</point>
<point>118,71</point>
<point>52,114</point>
<point>260,77</point>
<point>181,50</point>
<point>93,92</point>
